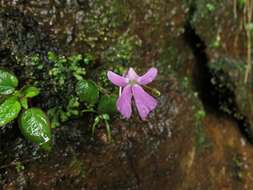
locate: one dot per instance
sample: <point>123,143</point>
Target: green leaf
<point>9,110</point>
<point>87,91</point>
<point>75,58</point>
<point>51,56</point>
<point>34,125</point>
<point>107,104</point>
<point>8,82</point>
<point>105,117</point>
<point>24,102</point>
<point>30,91</point>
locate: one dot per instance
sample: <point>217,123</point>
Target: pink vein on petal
<point>124,102</point>
<point>144,102</point>
<point>148,76</point>
<point>117,79</point>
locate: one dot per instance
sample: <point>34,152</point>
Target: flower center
<point>132,82</point>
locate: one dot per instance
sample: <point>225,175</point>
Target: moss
<point>76,168</point>
<point>122,52</point>
<point>236,67</point>
<point>102,22</point>
<point>235,164</point>
<point>170,63</point>
<point>228,80</point>
<point>19,167</point>
<point>204,10</point>
<point>201,141</point>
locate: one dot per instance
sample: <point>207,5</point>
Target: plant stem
<point>108,130</point>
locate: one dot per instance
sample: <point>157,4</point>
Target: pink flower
<point>131,84</point>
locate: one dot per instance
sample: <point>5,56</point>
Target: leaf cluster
<point>33,122</point>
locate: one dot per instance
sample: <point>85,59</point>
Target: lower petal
<point>144,102</point>
<point>124,102</point>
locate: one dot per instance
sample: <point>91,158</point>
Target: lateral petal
<point>117,79</point>
<point>148,76</point>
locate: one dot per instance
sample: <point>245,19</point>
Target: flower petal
<point>131,74</point>
<point>148,76</point>
<point>117,79</point>
<point>144,102</point>
<point>124,104</point>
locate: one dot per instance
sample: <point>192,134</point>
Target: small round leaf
<point>30,91</point>
<point>8,82</point>
<point>34,125</point>
<point>107,104</point>
<point>9,110</point>
<point>87,91</point>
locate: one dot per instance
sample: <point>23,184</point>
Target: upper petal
<point>117,79</point>
<point>148,76</point>
<point>131,74</point>
<point>124,104</point>
<point>144,102</point>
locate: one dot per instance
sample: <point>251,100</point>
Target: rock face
<point>226,49</point>
<point>199,136</point>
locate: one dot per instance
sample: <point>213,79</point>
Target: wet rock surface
<point>176,148</point>
<point>226,50</point>
<point>143,154</point>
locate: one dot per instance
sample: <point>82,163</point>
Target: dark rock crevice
<point>213,97</point>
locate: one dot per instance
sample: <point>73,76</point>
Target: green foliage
<point>8,82</point>
<point>30,62</point>
<point>60,114</point>
<point>30,92</point>
<point>24,102</point>
<point>34,125</point>
<point>88,97</point>
<point>107,104</point>
<point>33,122</point>
<point>64,73</point>
<point>87,91</point>
<point>67,80</point>
<point>65,67</point>
<point>9,110</point>
<point>105,119</point>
